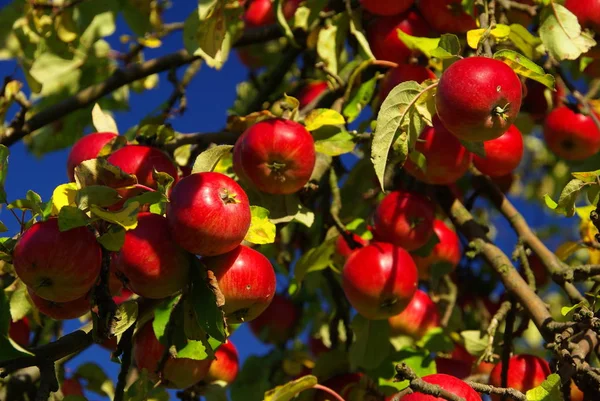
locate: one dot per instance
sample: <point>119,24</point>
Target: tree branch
<point>404,372</point>
<point>126,346</point>
<point>488,389</point>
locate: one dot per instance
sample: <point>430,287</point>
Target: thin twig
<point>404,372</point>
<point>126,346</point>
<point>488,389</point>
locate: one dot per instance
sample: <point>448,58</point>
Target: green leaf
<point>102,121</point>
<point>419,360</point>
<point>500,32</point>
<point>4,153</point>
<point>288,391</point>
<point>561,33</point>
<point>333,141</point>
<point>208,159</point>
<point>550,202</point>
<point>71,217</point>
<point>593,194</point>
<point>113,239</point>
<point>253,379</point>
<point>587,176</point>
<point>372,342</point>
<point>435,340</point>
<point>209,38</point>
<point>314,259</point>
<point>10,349</point>
<point>162,314</point>
<point>282,21</point>
<point>475,344</point>
<point>282,208</point>
<point>330,41</point>
<point>206,8</point>
<point>527,43</point>
<point>474,147</point>
<point>143,389</point>
<point>4,313</point>
<point>126,217</point>
<point>568,197</point>
<point>424,45</point>
<point>565,310</point>
<point>396,121</point>
<point>359,227</point>
<point>125,317</point>
<point>549,390</point>
<point>448,46</point>
<point>360,98</point>
<point>50,69</point>
<point>97,380</point>
<point>204,302</point>
<point>19,301</point>
<point>98,195</point>
<point>320,117</point>
<point>196,350</point>
<point>262,230</point>
<point>525,67</point>
<point>356,30</point>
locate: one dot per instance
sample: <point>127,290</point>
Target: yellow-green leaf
<point>549,390</point>
<point>262,230</point>
<point>561,33</point>
<point>289,390</point>
<point>320,117</point>
<point>103,122</point>
<point>63,195</point>
<point>126,217</point>
<point>499,32</point>
<point>525,67</point>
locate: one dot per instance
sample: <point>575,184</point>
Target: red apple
<point>123,296</point>
<point>447,160</point>
<point>226,364</point>
<point>539,270</point>
<point>587,12</point>
<point>142,161</point>
<point>459,364</point>
<point>61,310</point>
<point>449,383</point>
<point>386,7</point>
<point>246,279</point>
<point>504,182</point>
<point>571,135</point>
<point>317,346</point>
<point>576,393</point>
<point>345,384</point>
<point>209,214</point>
<point>535,101</point>
<point>420,315</point>
<point>310,92</point>
<point>277,323</point>
<point>384,40</point>
<point>87,148</point>
<point>71,386</point>
<point>446,16</point>
<point>446,251</point>
<point>19,332</point>
<point>404,219</point>
<point>177,372</point>
<point>502,155</point>
<point>343,249</point>
<point>403,73</point>
<point>153,265</point>
<point>58,266</point>
<point>379,280</point>
<point>260,12</point>
<point>277,156</point>
<point>524,373</point>
<point>478,98</point>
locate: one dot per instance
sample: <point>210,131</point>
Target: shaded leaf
<point>204,301</point>
<point>103,122</point>
<point>333,141</point>
<point>208,159</point>
<point>561,33</point>
<point>71,217</point>
<point>113,239</point>
<point>359,99</point>
<point>372,342</point>
<point>126,217</point>
<point>97,380</point>
<point>320,117</point>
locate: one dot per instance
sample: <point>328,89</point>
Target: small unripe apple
<point>420,315</point>
<point>448,383</point>
<point>446,159</point>
<point>386,7</point>
<point>277,156</point>
<point>404,219</point>
<point>226,364</point>
<point>343,249</point>
<point>246,279</point>
<point>571,135</point>
<point>19,332</point>
<point>152,263</point>
<point>478,98</point>
<point>177,372</point>
<point>310,92</point>
<point>261,12</point>
<point>58,266</point>
<point>502,155</point>
<point>524,373</point>
<point>403,73</point>
<point>446,16</point>
<point>71,386</point>
<point>384,40</point>
<point>209,214</point>
<point>446,251</point>
<point>277,323</point>
<point>379,280</point>
<point>87,148</point>
<point>142,161</point>
<point>587,12</point>
<point>61,310</point>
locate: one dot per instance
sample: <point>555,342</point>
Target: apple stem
<point>328,390</point>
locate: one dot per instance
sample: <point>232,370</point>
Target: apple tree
<point>366,209</point>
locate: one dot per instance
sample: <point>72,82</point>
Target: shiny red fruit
<point>19,332</point>
<point>586,11</point>
<point>383,37</point>
<point>343,249</point>
<point>459,364</point>
<point>403,73</point>
<point>504,182</point>
<point>209,214</point>
<point>446,252</point>
<point>61,310</point>
<point>570,135</point>
<point>87,148</point>
<point>58,266</point>
<point>535,101</point>
<point>379,280</point>
<point>142,161</point>
<point>449,383</point>
<point>447,160</point>
<point>226,364</point>
<point>246,279</point>
<point>404,219</point>
<point>152,263</point>
<point>478,98</point>
<point>502,155</point>
<point>446,16</point>
<point>71,386</point>
<point>277,323</point>
<point>277,156</point>
<point>310,92</point>
<point>261,12</point>
<point>386,7</point>
<point>177,372</point>
<point>524,373</point>
<point>420,315</point>
<point>539,270</point>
